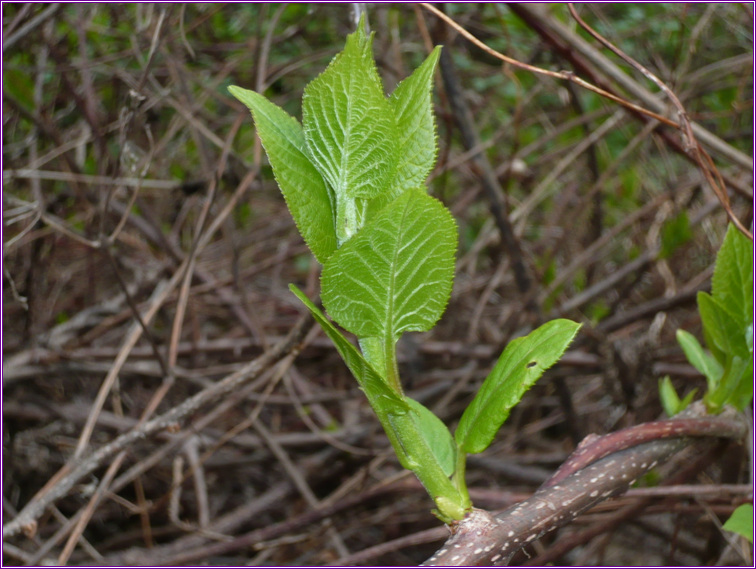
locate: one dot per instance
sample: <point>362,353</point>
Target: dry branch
<point>26,519</point>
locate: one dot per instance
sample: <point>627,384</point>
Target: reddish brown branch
<point>604,467</point>
<point>594,447</point>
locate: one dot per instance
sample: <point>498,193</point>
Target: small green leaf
<point>524,360</point>
<point>396,274</point>
<point>411,102</point>
<point>670,400</point>
<point>437,437</point>
<point>741,521</point>
<point>699,359</point>
<point>302,186</point>
<point>686,401</point>
<point>351,131</point>
<point>428,458</point>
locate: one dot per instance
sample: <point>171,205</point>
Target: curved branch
<point>601,467</point>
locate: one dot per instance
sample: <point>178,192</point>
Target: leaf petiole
<point>458,478</point>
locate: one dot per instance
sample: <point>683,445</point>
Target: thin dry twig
<point>565,75</point>
<point>693,148</point>
<point>691,144</point>
<point>28,515</point>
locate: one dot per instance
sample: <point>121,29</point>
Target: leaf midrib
<point>389,332</point>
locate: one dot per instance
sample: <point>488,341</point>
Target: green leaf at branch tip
<point>351,130</point>
<point>412,104</point>
<point>396,274</point>
<point>741,521</point>
<point>303,187</point>
<point>521,364</point>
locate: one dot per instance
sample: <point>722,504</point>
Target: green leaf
<point>524,360</point>
<point>723,328</point>
<point>686,401</point>
<point>437,437</point>
<point>732,282</point>
<point>396,274</point>
<point>302,186</point>
<point>741,521</point>
<point>699,359</point>
<point>669,398</point>
<point>411,102</point>
<point>351,131</point>
<point>735,388</point>
<point>427,458</point>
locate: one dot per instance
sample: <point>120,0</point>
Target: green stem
<point>458,478</point>
<point>392,367</point>
<point>381,354</point>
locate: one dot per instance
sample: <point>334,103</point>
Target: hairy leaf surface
<point>396,274</point>
<point>351,130</point>
<point>416,127</point>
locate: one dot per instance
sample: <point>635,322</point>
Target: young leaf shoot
<point>353,177</point>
